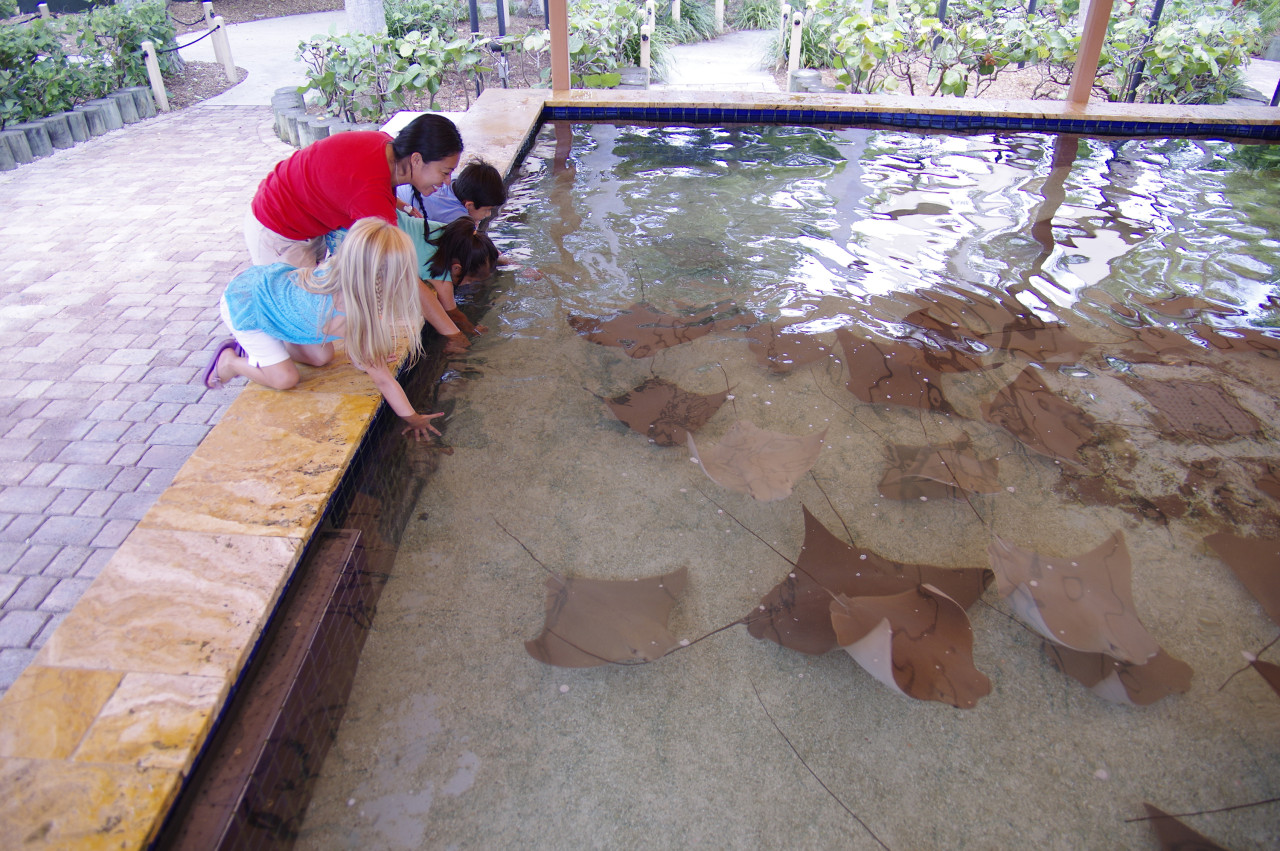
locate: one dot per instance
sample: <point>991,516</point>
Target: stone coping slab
<point>99,733</point>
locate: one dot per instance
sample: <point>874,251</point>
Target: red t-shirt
<point>328,185</point>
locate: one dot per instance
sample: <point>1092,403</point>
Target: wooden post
<point>222,49</point>
<point>208,14</point>
<point>651,14</point>
<point>645,32</point>
<point>797,27</point>
<point>786,21</point>
<point>43,9</point>
<point>1095,31</point>
<point>719,16</point>
<point>153,74</point>
<point>558,10</point>
<point>675,11</point>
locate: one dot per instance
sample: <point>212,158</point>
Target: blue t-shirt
<point>440,206</point>
<point>269,299</point>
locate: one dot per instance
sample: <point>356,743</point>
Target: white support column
<point>675,11</point>
<point>222,49</point>
<point>797,27</point>
<point>646,32</point>
<point>153,74</point>
<point>208,14</point>
<point>719,16</point>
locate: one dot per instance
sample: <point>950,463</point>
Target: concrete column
<point>221,44</point>
<point>1091,38</point>
<point>560,79</point>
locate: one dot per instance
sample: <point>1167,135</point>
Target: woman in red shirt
<point>333,182</point>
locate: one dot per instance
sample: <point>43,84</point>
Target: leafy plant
<point>406,16</point>
<point>757,15</point>
<point>697,21</point>
<point>112,36</point>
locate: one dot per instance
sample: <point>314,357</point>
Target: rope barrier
<point>32,18</point>
<point>186,23</point>
<point>188,44</point>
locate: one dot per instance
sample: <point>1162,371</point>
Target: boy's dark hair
<point>481,184</point>
<point>460,242</point>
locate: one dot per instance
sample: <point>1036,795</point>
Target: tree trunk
<point>366,16</point>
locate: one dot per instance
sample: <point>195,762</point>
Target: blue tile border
<point>914,120</point>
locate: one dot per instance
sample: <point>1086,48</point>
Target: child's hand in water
<point>420,425</point>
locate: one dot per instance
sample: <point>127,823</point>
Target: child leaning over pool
<point>451,256</point>
<point>366,294</point>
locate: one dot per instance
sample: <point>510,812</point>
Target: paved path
<point>112,256</point>
<point>732,62</point>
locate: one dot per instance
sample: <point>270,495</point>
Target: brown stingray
<point>1156,344</point>
<point>1187,306</point>
<point>970,315</point>
<point>1053,342</point>
<point>1256,563</point>
<point>900,373</point>
<point>1041,419</point>
<point>641,331</point>
<point>1243,340</point>
<point>1173,835</point>
<point>782,350</point>
<point>918,642</point>
<point>1197,409</point>
<point>751,460</point>
<point>692,253</point>
<point>1123,682</point>
<point>1269,483</point>
<point>593,622</point>
<point>796,613</point>
<point>1269,672</point>
<point>1110,488</point>
<point>1084,602</point>
<point>938,472</point>
<point>664,412</point>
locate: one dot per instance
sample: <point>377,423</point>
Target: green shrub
<point>697,21</point>
<point>111,37</point>
<point>757,15</point>
<point>405,16</point>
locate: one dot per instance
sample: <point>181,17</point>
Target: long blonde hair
<point>376,270</point>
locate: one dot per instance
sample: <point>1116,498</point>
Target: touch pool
<point>1108,299</point>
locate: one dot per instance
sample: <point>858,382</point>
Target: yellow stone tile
<point>154,721</point>
<point>46,712</point>
<point>175,603</point>
<point>270,466</point>
<point>64,806</point>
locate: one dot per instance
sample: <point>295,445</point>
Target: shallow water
<point>456,737</point>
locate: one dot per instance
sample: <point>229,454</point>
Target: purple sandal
<point>211,379</point>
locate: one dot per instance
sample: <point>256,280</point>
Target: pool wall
<point>100,733</point>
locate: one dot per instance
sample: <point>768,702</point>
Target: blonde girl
<point>366,294</point>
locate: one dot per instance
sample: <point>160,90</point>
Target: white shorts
<point>267,247</point>
<point>260,348</point>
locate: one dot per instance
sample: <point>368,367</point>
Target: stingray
<point>970,314</point>
<point>1269,483</point>
<point>763,464</point>
<point>664,412</point>
<point>1186,307</point>
<point>593,622</point>
<point>1123,682</point>
<point>796,613</point>
<point>1156,344</point>
<point>1256,563</point>
<point>1269,671</point>
<point>900,373</point>
<point>938,472</point>
<point>1049,343</point>
<point>1039,418</point>
<point>641,331</point>
<point>1173,835</point>
<point>1084,602</point>
<point>918,643</point>
<point>692,253</point>
<point>1198,409</point>
<point>1235,340</point>
<point>782,350</point>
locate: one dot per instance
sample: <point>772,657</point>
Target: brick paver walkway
<point>112,257</point>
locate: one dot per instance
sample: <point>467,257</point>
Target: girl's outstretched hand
<point>420,425</point>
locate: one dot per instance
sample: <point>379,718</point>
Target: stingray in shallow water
<point>918,642</point>
<point>1123,682</point>
<point>899,373</point>
<point>593,622</point>
<point>763,464</point>
<point>796,613</point>
<point>1237,340</point>
<point>1256,563</point>
<point>664,412</point>
<point>1083,602</point>
<point>641,330</point>
<point>1269,671</point>
<point>782,350</point>
<point>948,471</point>
<point>1041,419</point>
<point>1197,410</point>
<point>1173,835</point>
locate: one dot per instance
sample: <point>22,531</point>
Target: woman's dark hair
<point>459,242</point>
<point>430,135</point>
<point>481,184</point>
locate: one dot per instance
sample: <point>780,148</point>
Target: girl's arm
<point>456,342</point>
<point>419,424</point>
<point>444,290</point>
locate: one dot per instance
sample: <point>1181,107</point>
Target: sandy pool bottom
<point>456,738</point>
